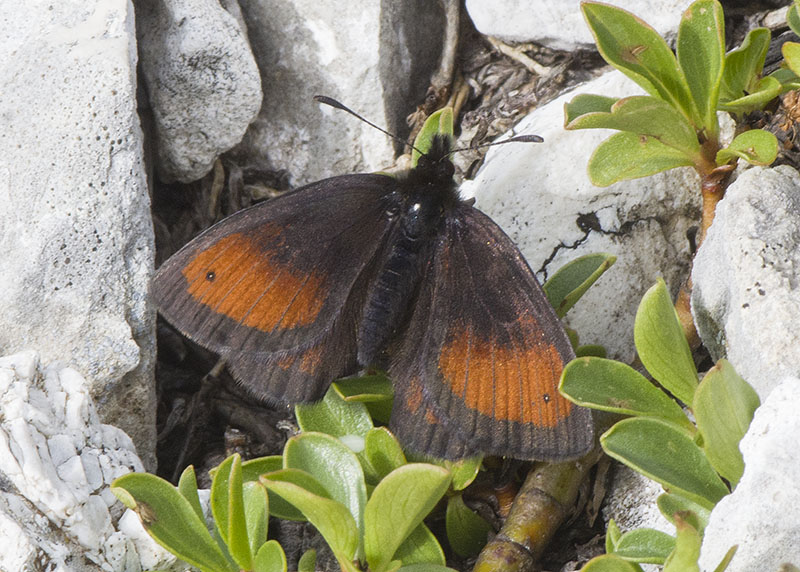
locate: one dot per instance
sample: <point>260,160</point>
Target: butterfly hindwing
<point>276,288</point>
<point>483,354</point>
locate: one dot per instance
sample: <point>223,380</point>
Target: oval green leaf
<point>687,549</point>
<point>334,416</point>
<point>701,54</point>
<point>397,506</point>
<point>467,532</point>
<point>767,89</point>
<point>256,514</point>
<point>614,386</point>
<point>331,518</point>
<point>666,454</point>
<point>585,103</point>
<point>662,345</point>
<point>332,464</point>
<point>270,558</point>
<point>439,122</point>
<point>613,534</point>
<point>645,545</point>
<point>743,65</point>
<point>187,486</point>
<point>254,468</point>
<point>236,535</point>
<point>645,115</point>
<point>610,563</point>
<point>171,520</point>
<point>791,56</point>
<point>669,504</point>
<point>365,389</point>
<point>464,471</point>
<point>723,406</point>
<point>636,49</point>
<point>308,561</point>
<point>572,280</point>
<point>793,18</point>
<point>757,147</point>
<point>421,547</point>
<point>383,452</point>
<point>625,156</point>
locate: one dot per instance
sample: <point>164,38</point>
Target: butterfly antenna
<point>338,105</point>
<point>517,139</point>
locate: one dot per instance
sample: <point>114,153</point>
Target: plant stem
<point>543,502</point>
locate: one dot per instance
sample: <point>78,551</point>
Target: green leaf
<point>765,90</point>
<point>723,405</point>
<point>334,416</point>
<point>613,386</point>
<point>687,549</point>
<point>331,518</point>
<point>171,520</point>
<point>793,18</point>
<point>701,53</point>
<point>662,345</point>
<point>256,514</point>
<point>586,103</point>
<point>666,454</point>
<point>308,561</point>
<point>254,468</point>
<point>439,122</point>
<point>572,280</point>
<point>791,56</point>
<point>627,155</point>
<point>645,545</point>
<point>645,115</point>
<point>613,534</point>
<point>270,558</point>
<point>383,452</point>
<point>365,389</point>
<point>787,78</point>
<point>227,506</point>
<point>467,532</point>
<point>636,49</point>
<point>187,486</point>
<point>464,471</point>
<point>397,506</point>
<point>332,464</point>
<point>743,65</point>
<point>756,146</point>
<point>591,350</point>
<point>421,547</point>
<point>726,560</point>
<point>669,504</point>
<point>610,563</point>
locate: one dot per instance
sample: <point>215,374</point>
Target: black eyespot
<point>546,397</point>
<point>210,275</point>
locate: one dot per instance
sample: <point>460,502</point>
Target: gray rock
<point>746,294</point>
<point>203,82</point>
<point>75,227</point>
<point>560,25</point>
<point>542,197</point>
<point>762,516</point>
<point>57,461</point>
<point>373,56</point>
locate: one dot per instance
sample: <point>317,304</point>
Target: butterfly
<point>399,271</point>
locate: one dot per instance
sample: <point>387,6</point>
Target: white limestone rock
<point>202,79</point>
<point>374,56</point>
<point>762,516</point>
<point>75,228</point>
<point>57,461</point>
<point>560,25</point>
<point>746,294</point>
<point>541,196</point>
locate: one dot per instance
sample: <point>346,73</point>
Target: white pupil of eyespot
<point>416,206</point>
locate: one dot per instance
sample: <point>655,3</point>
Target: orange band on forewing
<point>238,279</point>
<point>505,382</point>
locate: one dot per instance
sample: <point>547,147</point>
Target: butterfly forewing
<point>276,288</point>
<point>484,353</point>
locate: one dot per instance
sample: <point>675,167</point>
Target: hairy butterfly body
<point>359,270</point>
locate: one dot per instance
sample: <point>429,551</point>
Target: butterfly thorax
<point>422,201</point>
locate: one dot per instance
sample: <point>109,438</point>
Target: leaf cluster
<point>697,462</point>
<point>676,124</point>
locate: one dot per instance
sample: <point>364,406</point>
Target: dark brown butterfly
<point>371,269</point>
